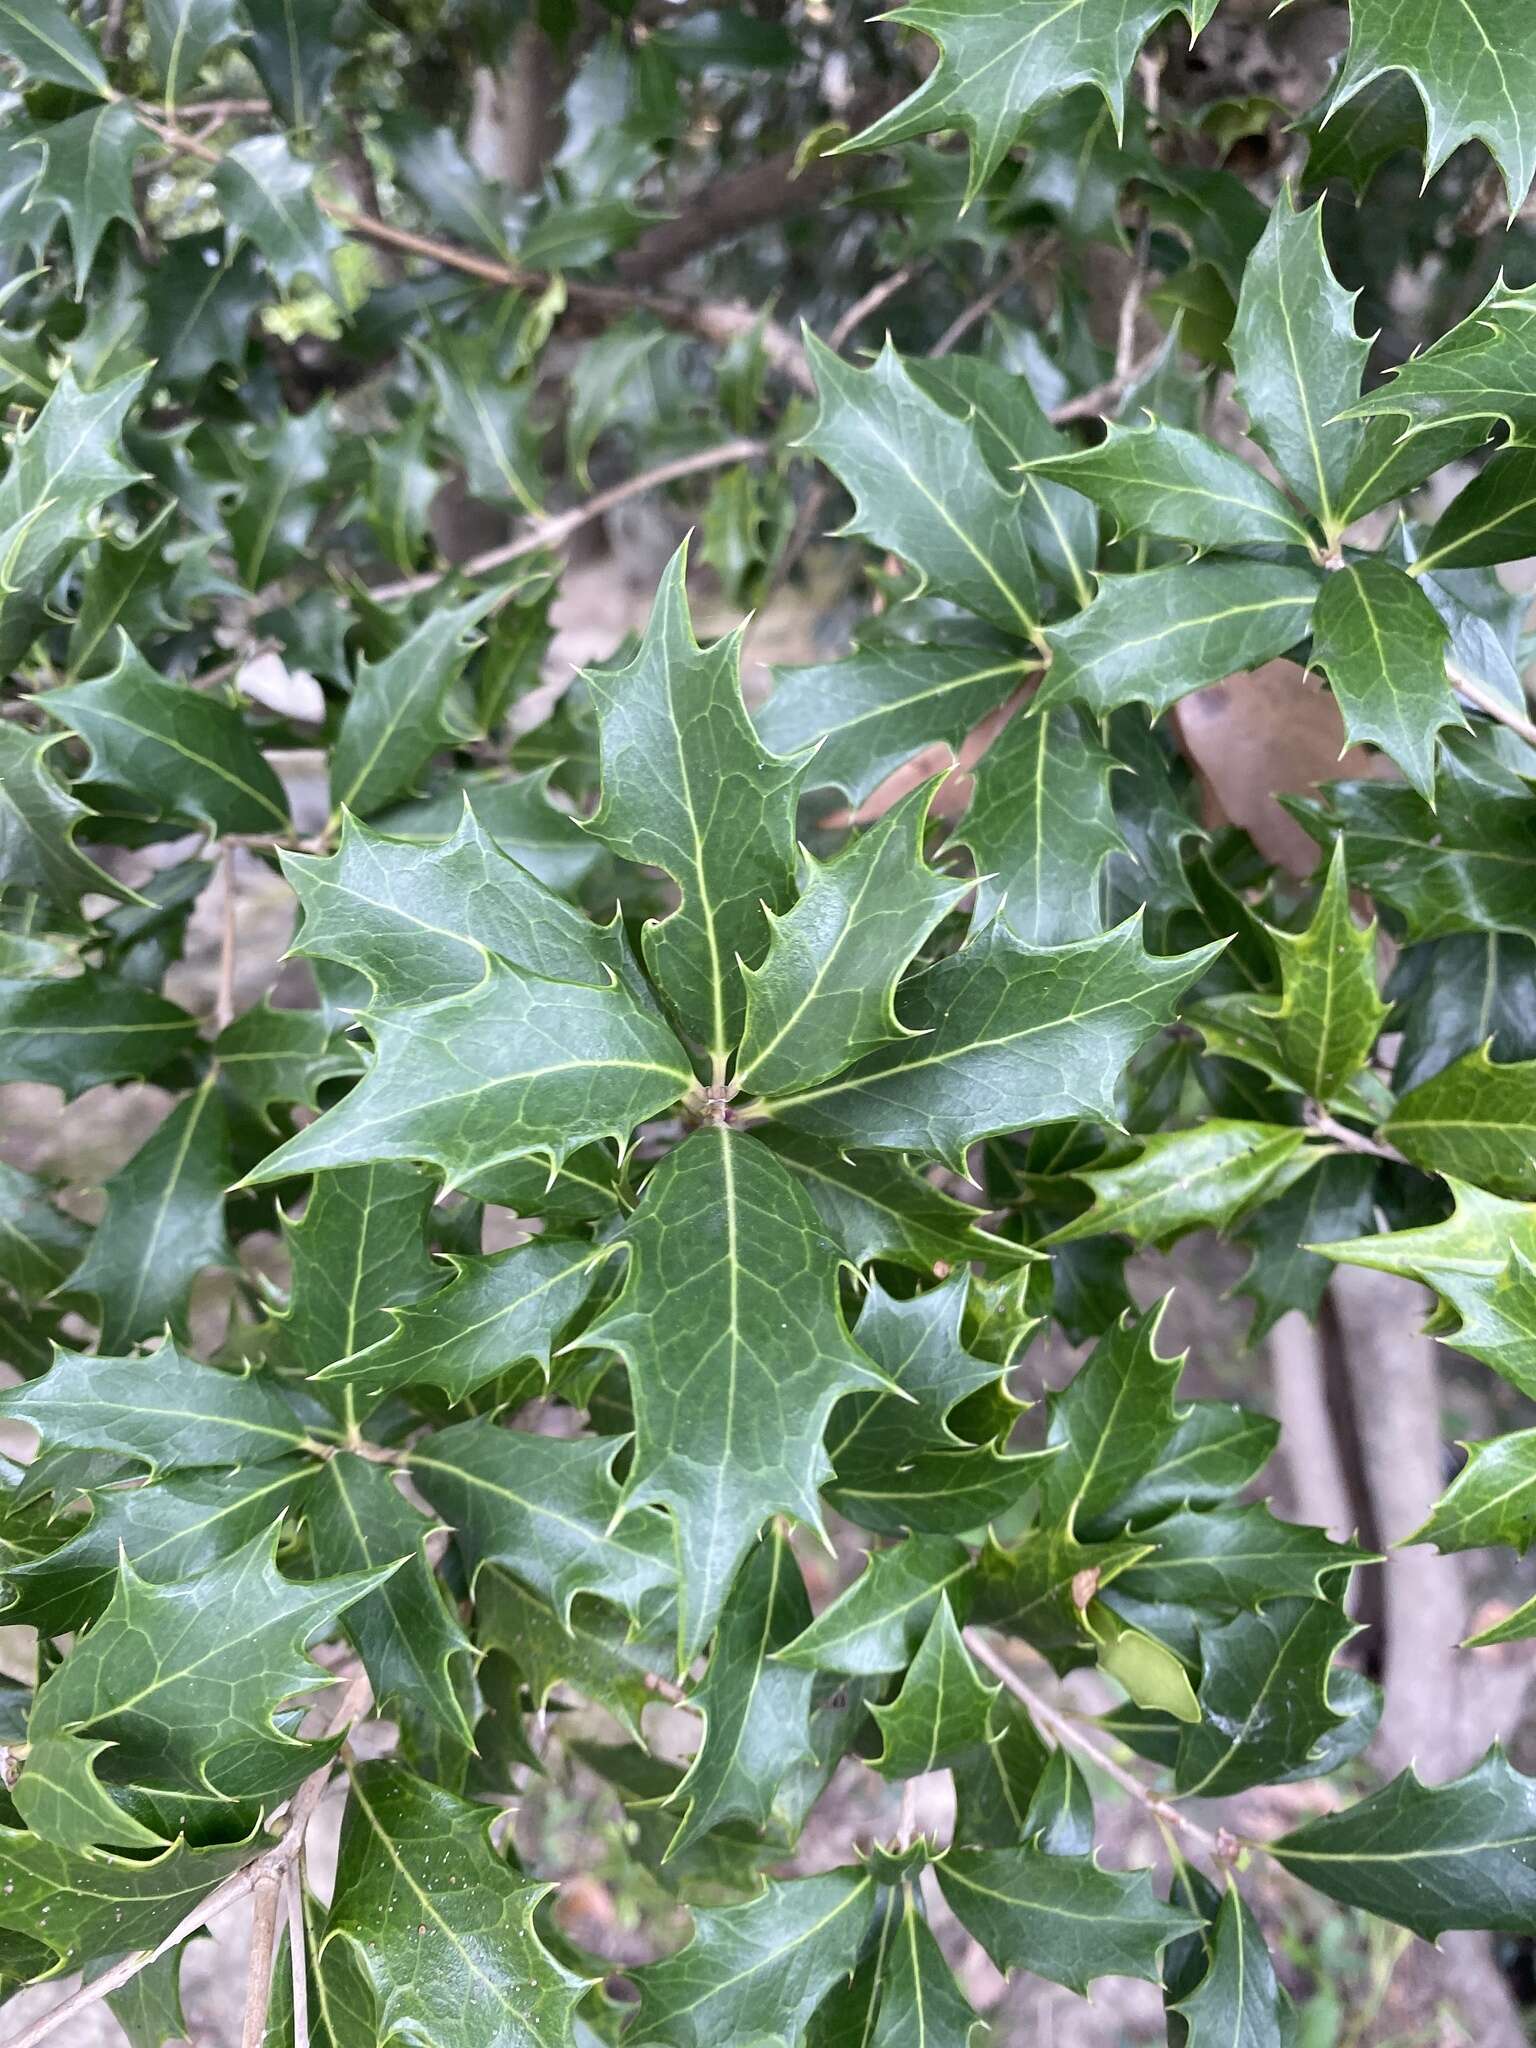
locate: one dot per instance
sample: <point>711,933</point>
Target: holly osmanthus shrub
<point>673,1121</point>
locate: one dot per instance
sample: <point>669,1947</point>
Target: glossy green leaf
<point>1060,1917</point>
<point>419,919</point>
<point>1264,1705</point>
<point>1041,825</point>
<point>38,822</point>
<point>995,68</point>
<point>1230,1558</point>
<point>1493,519</point>
<point>183,750</point>
<point>40,1245</point>
<point>79,1033</point>
<point>1430,1857</point>
<point>164,1223</point>
<point>86,177</point>
<point>761,1967</point>
<point>1160,479</point>
<point>181,1680</point>
<point>545,1508</point>
<point>441,1925</point>
<point>265,192</point>
<point>1299,359</point>
<point>756,1709</point>
<point>517,1066</point>
<point>408,1637</point>
<point>877,1624</point>
<point>686,787</point>
<point>823,995</point>
<point>1004,1034</point>
<point>1238,1998</point>
<point>41,40</point>
<point>1474,1119</point>
<point>943,1708</point>
<point>880,705</point>
<point>1382,644</point>
<point>730,1327</point>
<point>183,35</point>
<point>1208,1177</point>
<point>171,1529</point>
<point>79,1907</point>
<point>495,1313</point>
<point>1152,638</point>
<point>922,489</point>
<point>400,713</point>
<point>164,1409</point>
<point>1472,68</point>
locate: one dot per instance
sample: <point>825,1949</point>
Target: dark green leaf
<point>730,1326</point>
<point>1060,1917</point>
<point>1383,645</point>
<point>1152,638</point>
<point>686,787</point>
<point>1430,1857</point>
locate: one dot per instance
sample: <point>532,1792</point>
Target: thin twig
<point>1048,1718</point>
<point>1328,1126</point>
<point>224,1000</point>
<point>1103,397</point>
<point>258,1981</point>
<point>871,302</point>
<point>238,1885</point>
<point>298,1953</point>
<point>710,319</point>
<point>1482,699</point>
<point>978,309</point>
<point>551,532</point>
<point>1130,305</point>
